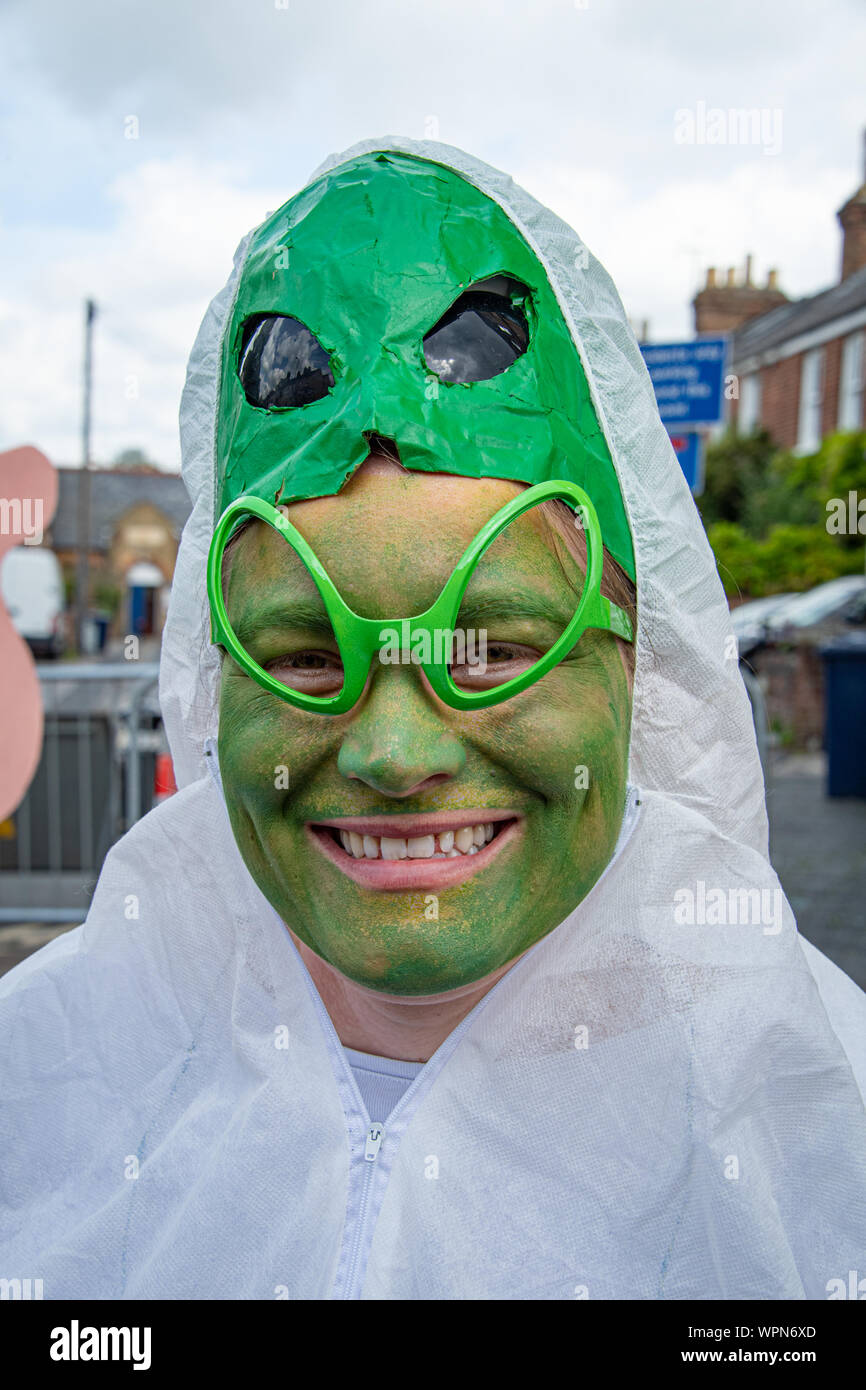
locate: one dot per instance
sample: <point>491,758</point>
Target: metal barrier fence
<point>103,731</point>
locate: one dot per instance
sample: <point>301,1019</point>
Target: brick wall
<point>780,400</point>
<point>793,682</point>
<point>723,308</point>
<point>780,395</point>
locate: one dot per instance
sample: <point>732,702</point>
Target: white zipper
<point>375,1135</point>
<point>372,1144</point>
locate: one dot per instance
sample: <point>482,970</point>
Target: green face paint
<point>370,258</point>
<point>554,757</point>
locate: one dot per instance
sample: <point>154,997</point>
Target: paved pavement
<point>818,848</point>
<point>817,844</point>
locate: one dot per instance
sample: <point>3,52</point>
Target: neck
<point>409,1029</point>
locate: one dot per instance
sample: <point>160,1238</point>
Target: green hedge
<point>766,513</point>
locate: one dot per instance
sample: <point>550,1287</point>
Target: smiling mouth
<point>411,852</point>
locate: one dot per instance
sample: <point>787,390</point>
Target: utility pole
<point>82,585</point>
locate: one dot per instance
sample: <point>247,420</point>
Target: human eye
<point>491,662</point>
<point>312,670</point>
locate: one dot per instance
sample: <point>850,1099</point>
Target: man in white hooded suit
<point>597,1061</point>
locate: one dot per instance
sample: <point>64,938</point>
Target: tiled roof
<point>113,492</point>
<point>789,321</point>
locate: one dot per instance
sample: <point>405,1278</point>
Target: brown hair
<point>615,583</point>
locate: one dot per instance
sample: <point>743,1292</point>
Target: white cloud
<point>239,99</point>
<point>152,272</point>
<point>657,245</point>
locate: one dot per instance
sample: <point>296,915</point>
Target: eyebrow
<point>483,608</point>
<point>480,609</point>
<point>283,614</point>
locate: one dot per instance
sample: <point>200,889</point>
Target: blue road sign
<point>689,449</point>
<point>689,380</point>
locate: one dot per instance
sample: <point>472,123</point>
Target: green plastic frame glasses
<point>359,639</point>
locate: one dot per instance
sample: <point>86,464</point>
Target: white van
<point>31,582</point>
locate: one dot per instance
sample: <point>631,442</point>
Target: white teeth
<point>394,848</point>
<point>448,844</point>
<point>422,846</point>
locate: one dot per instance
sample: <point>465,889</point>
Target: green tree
<point>766,512</point>
<point>132,459</point>
<point>735,468</point>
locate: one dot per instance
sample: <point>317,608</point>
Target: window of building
<point>811,400</point>
<point>749,415</point>
<point>851,383</point>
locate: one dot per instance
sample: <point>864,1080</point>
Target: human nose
<point>397,743</point>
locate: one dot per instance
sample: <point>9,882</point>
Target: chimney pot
<point>749,271</point>
<point>772,279</point>
<point>732,277</point>
<point>711,277</point>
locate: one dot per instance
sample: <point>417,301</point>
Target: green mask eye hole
<point>282,363</point>
<point>480,336</point>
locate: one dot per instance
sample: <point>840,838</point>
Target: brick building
<point>801,364</point>
<point>136,517</point>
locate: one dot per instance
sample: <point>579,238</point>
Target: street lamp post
<point>82,586</point>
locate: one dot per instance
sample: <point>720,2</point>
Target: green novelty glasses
<point>319,657</point>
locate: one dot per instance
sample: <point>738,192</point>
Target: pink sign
<point>28,499</point>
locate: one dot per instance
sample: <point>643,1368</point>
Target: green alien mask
<point>393,298</point>
<point>339,291</point>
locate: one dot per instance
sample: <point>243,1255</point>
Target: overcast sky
<point>237,101</point>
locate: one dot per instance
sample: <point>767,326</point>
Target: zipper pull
<point>375,1135</point>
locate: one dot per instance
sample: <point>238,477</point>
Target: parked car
<point>832,606</point>
<point>31,582</point>
<point>749,620</point>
